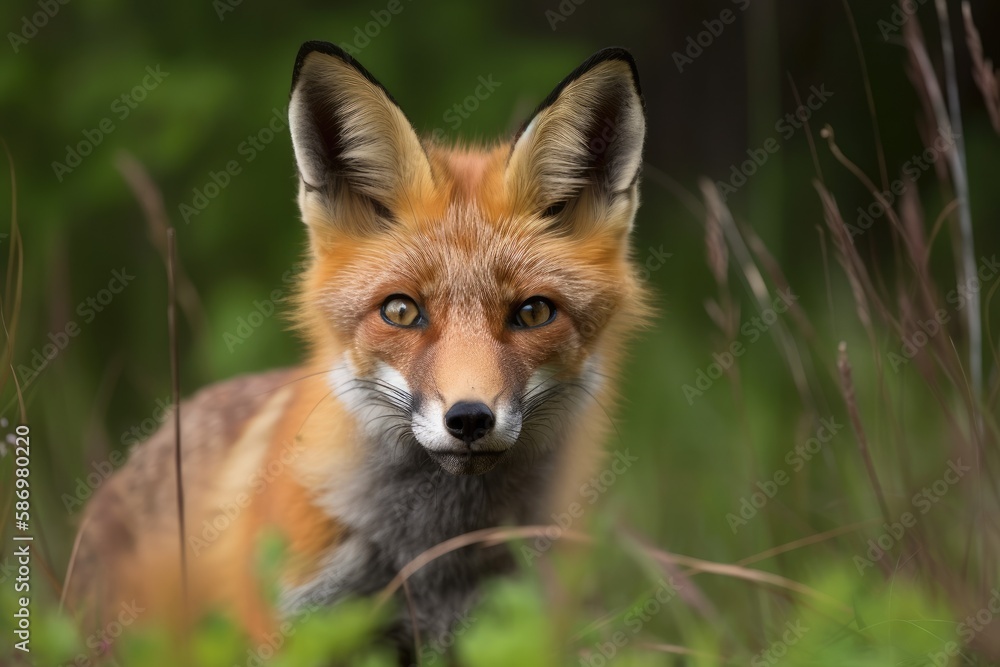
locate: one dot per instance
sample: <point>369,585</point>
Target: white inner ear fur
<point>627,157</point>
<point>552,155</point>
<point>303,138</point>
<point>380,153</point>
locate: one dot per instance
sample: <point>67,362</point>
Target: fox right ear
<point>584,141</point>
<point>358,157</point>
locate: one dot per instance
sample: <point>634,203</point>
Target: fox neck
<point>397,503</point>
<point>393,502</point>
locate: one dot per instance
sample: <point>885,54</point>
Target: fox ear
<point>358,156</point>
<point>584,141</point>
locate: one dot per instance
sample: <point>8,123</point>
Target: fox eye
<point>534,312</point>
<point>401,311</point>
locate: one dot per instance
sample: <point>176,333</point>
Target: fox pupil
<point>534,312</point>
<point>400,311</point>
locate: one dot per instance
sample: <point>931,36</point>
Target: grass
<point>827,496</point>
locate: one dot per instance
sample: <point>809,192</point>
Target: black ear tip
<point>614,53</point>
<point>323,47</point>
<point>314,46</point>
<point>604,55</point>
<point>326,48</point>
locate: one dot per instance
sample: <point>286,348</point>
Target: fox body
<point>465,312</point>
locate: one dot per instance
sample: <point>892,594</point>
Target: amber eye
<point>401,311</point>
<point>534,312</point>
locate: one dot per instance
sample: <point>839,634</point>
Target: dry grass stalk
<point>949,124</point>
<point>982,68</point>
<point>151,201</point>
<point>758,287</point>
<point>175,383</point>
<point>851,401</point>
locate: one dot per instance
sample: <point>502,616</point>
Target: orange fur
<point>468,234</point>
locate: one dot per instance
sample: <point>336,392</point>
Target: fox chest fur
<point>465,313</point>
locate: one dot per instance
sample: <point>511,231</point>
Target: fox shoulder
<point>128,543</point>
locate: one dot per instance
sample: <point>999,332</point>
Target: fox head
<point>466,303</point>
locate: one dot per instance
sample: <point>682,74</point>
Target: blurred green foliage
<point>225,71</point>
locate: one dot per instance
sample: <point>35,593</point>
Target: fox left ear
<point>584,140</point>
<point>358,157</point>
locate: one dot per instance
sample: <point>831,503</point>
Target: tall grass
<point>853,521</point>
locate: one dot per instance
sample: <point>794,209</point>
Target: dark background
<point>228,71</point>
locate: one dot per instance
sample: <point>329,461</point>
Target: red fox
<point>465,312</point>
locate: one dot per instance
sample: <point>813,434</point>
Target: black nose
<point>469,421</point>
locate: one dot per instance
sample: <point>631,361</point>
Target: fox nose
<point>469,421</point>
